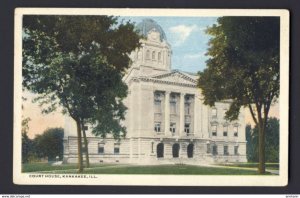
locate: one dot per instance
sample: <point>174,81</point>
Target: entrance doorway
<point>190,150</point>
<point>175,150</point>
<point>160,150</point>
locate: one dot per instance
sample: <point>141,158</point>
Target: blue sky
<point>187,38</point>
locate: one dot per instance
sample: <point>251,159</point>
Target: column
<point>181,117</point>
<point>167,112</point>
<point>195,116</point>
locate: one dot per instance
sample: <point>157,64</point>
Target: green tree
<point>251,139</point>
<point>77,62</point>
<point>26,142</point>
<point>50,143</point>
<point>244,68</point>
<point>272,141</point>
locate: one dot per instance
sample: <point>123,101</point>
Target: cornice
<point>160,81</point>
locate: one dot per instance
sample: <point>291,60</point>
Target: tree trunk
<point>80,166</point>
<point>86,146</point>
<point>261,148</point>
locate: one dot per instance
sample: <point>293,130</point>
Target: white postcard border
<point>154,180</point>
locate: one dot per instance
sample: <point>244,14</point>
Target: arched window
<point>153,55</point>
<point>147,54</point>
<point>175,150</point>
<point>160,150</point>
<point>190,150</point>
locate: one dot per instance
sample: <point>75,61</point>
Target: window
<point>157,103</point>
<point>152,147</point>
<point>157,106</point>
<point>187,108</point>
<point>235,131</point>
<point>153,55</point>
<point>187,128</point>
<point>173,127</point>
<point>214,113</point>
<point>215,150</point>
<point>214,130</point>
<point>157,126</point>
<point>236,150</point>
<point>225,130</point>
<point>173,107</point>
<point>226,150</point>
<point>159,56</point>
<point>147,54</point>
<point>117,148</point>
<point>100,148</point>
<point>117,151</point>
<point>173,104</point>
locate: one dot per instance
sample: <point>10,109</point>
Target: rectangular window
<point>187,128</point>
<point>215,150</point>
<point>117,148</point>
<point>225,130</point>
<point>187,108</point>
<point>172,127</point>
<point>117,151</point>
<point>236,150</point>
<point>214,113</point>
<point>157,106</point>
<point>152,147</point>
<point>214,130</point>
<point>226,150</point>
<point>85,128</point>
<point>100,148</point>
<point>173,107</point>
<point>235,131</point>
<point>157,126</point>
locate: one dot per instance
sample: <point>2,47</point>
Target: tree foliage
<point>243,67</point>
<point>26,142</point>
<point>50,144</point>
<point>77,62</point>
<point>272,141</point>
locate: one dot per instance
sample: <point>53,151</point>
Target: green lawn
<point>130,169</point>
<point>35,167</point>
<point>271,166</point>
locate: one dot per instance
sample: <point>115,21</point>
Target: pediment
<point>176,77</point>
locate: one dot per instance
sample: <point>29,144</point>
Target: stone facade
<point>166,120</point>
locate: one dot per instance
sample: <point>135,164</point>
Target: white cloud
<point>182,32</point>
<point>194,56</point>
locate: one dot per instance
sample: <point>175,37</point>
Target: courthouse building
<point>166,120</point>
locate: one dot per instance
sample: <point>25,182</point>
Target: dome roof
<point>147,25</point>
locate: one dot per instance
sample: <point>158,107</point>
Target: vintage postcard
<point>159,97</point>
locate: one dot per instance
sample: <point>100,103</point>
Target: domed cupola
<point>154,55</point>
<point>148,25</point>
